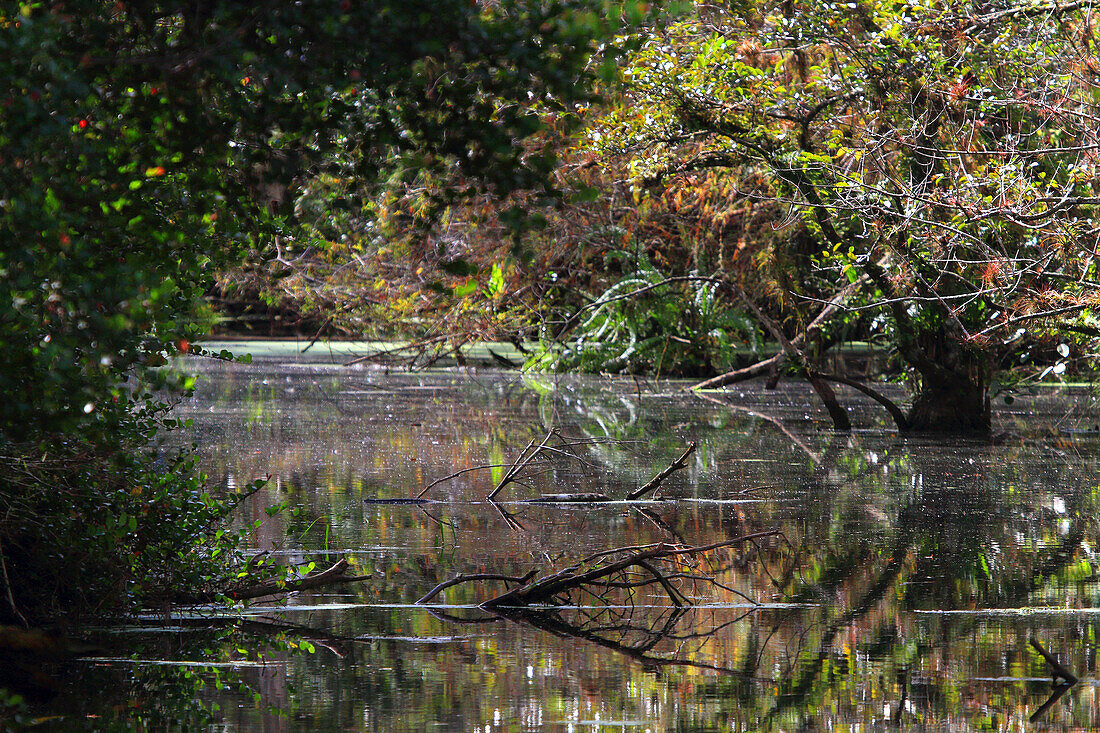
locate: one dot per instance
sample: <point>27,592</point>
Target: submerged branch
<point>900,420</point>
<point>655,482</point>
<point>334,575</point>
<point>623,568</point>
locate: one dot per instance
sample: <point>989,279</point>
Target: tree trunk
<point>956,404</point>
<point>954,390</point>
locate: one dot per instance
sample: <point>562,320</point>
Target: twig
<point>471,578</point>
<point>573,577</point>
<point>602,301</point>
<point>7,590</point>
<point>657,480</point>
<point>839,415</point>
<point>421,346</point>
<point>521,462</point>
<point>317,335</point>
<point>456,474</point>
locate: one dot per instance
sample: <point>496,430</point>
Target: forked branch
<point>623,569</point>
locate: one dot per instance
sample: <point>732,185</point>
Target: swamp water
<point>905,586</point>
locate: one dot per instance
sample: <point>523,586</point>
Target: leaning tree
<point>941,157</point>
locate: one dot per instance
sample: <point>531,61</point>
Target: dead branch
<point>1060,672</point>
<point>420,347</point>
<point>471,579</point>
<point>335,575</point>
<point>655,482</point>
<point>522,460</point>
<point>581,498</point>
<point>661,524</point>
<point>838,414</point>
<point>753,371</point>
<point>532,454</point>
<point>456,474</point>
<point>900,420</point>
<point>767,366</point>
<point>624,568</point>
<point>635,627</point>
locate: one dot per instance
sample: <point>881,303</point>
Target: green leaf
<point>467,288</point>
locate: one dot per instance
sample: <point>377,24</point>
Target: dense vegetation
<point>918,174</point>
<point>940,158</point>
<point>146,146</point>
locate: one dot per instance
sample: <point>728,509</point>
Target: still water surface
<point>905,584</point>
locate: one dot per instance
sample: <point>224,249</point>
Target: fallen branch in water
<point>656,481</point>
<point>581,498</point>
<point>521,462</point>
<point>624,570</point>
<point>473,578</point>
<point>337,574</point>
<point>1059,671</point>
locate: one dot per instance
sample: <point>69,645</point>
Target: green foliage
<point>646,322</point>
<point>101,529</point>
<point>145,146</point>
<point>936,150</point>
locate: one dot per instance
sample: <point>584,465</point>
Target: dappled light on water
<point>884,581</point>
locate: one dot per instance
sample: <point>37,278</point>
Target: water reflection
<point>904,588</point>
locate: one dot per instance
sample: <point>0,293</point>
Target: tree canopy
<point>941,158</point>
<point>145,145</point>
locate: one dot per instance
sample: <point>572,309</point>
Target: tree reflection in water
<point>910,577</point>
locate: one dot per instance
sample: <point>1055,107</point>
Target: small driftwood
<point>568,498</point>
<point>624,570</point>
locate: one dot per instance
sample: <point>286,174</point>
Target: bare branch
<point>657,480</point>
